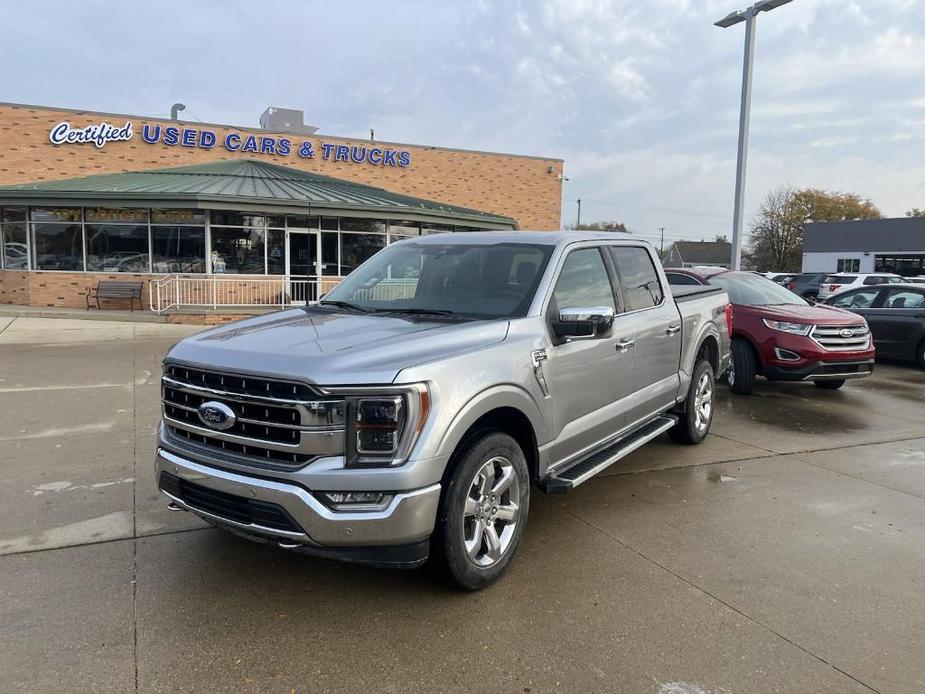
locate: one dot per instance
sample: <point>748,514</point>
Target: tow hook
<point>174,506</point>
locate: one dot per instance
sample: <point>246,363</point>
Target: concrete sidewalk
<point>784,554</point>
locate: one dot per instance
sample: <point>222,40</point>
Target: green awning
<point>237,182</point>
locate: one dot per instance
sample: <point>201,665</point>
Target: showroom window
<point>178,241</point>
<point>57,238</point>
<point>117,239</point>
<point>14,254</point>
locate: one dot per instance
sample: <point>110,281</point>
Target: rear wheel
<point>694,423</point>
<point>741,375</point>
<point>484,510</point>
<point>830,385</point>
<point>920,354</point>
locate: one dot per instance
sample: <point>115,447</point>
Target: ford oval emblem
<point>847,332</point>
<point>216,415</point>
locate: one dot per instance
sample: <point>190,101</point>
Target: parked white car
<point>842,281</point>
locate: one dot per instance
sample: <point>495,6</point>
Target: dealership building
<point>207,215</point>
<point>877,245</point>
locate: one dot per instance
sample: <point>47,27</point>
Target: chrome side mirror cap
<point>584,323</point>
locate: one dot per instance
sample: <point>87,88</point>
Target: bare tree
<point>776,237</point>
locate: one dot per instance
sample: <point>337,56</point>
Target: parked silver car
<point>385,427</point>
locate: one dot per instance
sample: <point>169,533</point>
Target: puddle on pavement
<point>810,412</point>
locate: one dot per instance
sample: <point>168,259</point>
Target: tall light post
<point>578,224</point>
<point>748,15</point>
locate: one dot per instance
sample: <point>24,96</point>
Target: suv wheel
<point>741,375</point>
<point>695,420</point>
<point>920,355</point>
<point>484,510</point>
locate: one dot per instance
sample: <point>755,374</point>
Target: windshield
<point>466,280</point>
<point>754,290</point>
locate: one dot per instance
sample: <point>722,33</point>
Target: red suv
<point>779,335</point>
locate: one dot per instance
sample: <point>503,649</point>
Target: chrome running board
<point>584,469</point>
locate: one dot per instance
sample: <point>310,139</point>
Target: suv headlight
<point>792,328</point>
<point>383,424</point>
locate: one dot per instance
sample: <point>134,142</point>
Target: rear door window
<point>863,298</point>
<point>881,280</point>
<point>639,281</point>
<point>839,279</point>
<point>904,298</point>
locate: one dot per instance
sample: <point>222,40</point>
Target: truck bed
<point>686,293</point>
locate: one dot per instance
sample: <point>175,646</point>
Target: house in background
<point>698,253</point>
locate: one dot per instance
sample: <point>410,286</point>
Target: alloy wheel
<point>491,512</point>
<point>703,402</point>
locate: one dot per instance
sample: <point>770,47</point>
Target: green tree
<point>915,212</point>
<point>776,236</point>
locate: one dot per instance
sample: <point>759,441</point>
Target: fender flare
<point>505,395</point>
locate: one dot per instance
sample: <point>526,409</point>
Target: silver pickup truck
<point>409,413</point>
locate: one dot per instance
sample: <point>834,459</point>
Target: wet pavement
<point>784,554</point>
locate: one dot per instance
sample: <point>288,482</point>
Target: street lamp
<point>748,16</point>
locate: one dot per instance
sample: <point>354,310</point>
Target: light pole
<point>578,223</point>
<point>748,15</point>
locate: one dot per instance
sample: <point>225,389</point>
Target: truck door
<point>657,324</point>
<point>588,378</point>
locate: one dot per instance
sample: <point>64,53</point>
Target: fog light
<point>786,354</point>
<point>356,501</point>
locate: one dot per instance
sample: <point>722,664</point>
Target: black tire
<point>812,296</point>
<point>920,355</point>
<point>694,423</point>
<point>453,523</point>
<point>741,376</point>
<point>830,385</point>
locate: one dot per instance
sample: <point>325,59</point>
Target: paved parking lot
<point>785,554</point>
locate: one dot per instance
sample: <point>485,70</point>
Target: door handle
<point>672,329</point>
<point>624,345</point>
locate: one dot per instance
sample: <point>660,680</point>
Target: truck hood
<point>818,315</point>
<point>327,347</point>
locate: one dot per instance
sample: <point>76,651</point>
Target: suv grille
<point>843,338</point>
<point>274,423</point>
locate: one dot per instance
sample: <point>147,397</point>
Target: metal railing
<point>211,291</point>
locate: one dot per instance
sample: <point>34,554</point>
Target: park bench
<point>115,289</point>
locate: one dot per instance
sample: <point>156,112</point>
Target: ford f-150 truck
<point>411,410</point>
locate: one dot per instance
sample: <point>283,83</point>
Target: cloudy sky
<point>640,98</point>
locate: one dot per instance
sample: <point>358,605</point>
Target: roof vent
<point>285,120</point>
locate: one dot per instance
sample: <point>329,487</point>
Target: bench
<point>114,289</point>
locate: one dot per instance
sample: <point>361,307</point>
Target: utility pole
<point>748,16</point>
<point>661,243</point>
<point>578,224</point>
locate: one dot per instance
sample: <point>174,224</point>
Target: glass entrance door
<point>302,265</point>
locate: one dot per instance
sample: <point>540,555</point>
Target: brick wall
<point>518,187</point>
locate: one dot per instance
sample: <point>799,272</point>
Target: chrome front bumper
<point>408,519</point>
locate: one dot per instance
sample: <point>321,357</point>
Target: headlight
<point>383,424</point>
<point>785,327</point>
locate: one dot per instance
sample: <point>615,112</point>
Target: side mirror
<point>584,323</point>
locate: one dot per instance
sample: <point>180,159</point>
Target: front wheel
<point>694,423</point>
<point>484,510</point>
<point>830,385</point>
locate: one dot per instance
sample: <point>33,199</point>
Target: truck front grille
<point>274,423</point>
<point>228,506</point>
<point>841,338</point>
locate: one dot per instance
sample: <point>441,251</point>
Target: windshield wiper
<point>344,304</point>
<point>418,311</point>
